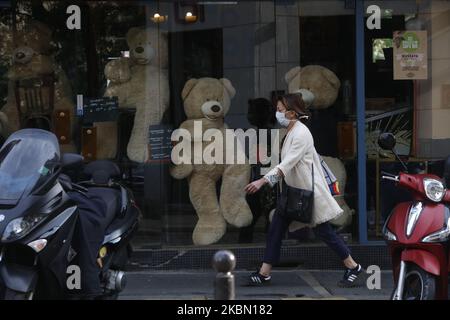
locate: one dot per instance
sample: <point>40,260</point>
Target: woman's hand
<point>253,187</point>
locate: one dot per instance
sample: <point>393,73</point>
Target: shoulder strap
<point>312,174</point>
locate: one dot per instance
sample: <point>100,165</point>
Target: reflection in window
<point>377,48</point>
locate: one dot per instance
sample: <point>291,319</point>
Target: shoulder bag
<point>296,204</point>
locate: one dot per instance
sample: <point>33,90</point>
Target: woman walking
<point>298,155</point>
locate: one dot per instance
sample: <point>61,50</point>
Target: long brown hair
<point>294,102</point>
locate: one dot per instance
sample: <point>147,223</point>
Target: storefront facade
<point>131,73</point>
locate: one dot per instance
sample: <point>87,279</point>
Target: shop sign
<point>410,55</point>
<point>100,109</point>
<point>160,143</point>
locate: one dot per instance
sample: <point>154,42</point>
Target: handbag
<point>296,204</point>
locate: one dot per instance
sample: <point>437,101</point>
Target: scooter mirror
<point>387,141</point>
<point>71,160</point>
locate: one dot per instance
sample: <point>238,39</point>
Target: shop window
<point>254,45</point>
<point>397,104</point>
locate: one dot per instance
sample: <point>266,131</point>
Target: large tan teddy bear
<point>319,87</point>
<point>32,58</point>
<point>140,81</point>
<point>207,101</point>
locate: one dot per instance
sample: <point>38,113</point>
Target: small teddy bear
<point>206,102</point>
<point>141,82</point>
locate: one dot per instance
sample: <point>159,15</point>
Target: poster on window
<point>410,55</point>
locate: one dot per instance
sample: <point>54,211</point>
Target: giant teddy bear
<point>207,101</point>
<point>141,82</point>
<point>319,87</point>
<point>31,59</point>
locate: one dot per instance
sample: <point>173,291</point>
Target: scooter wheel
<point>419,284</point>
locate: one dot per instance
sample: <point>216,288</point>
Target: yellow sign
<point>410,55</point>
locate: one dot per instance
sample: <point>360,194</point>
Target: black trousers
<point>278,228</point>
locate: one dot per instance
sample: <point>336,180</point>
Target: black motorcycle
<point>38,218</point>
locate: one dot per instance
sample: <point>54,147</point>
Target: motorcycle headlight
<point>19,227</point>
<point>439,236</point>
<point>434,189</point>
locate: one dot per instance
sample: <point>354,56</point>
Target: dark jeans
<point>324,231</point>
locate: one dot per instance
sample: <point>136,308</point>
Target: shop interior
<point>254,45</point>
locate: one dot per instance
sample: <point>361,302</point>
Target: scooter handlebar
<point>384,173</point>
<point>392,178</point>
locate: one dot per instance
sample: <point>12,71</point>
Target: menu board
<point>410,55</point>
<point>100,109</point>
<point>160,143</point>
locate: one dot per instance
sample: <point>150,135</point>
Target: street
<point>286,284</point>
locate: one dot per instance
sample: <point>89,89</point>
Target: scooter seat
<point>112,199</point>
<point>101,171</point>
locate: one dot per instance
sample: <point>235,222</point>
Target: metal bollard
<point>224,262</point>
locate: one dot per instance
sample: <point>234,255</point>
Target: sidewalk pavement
<point>286,284</point>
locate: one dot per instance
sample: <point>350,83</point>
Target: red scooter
<point>417,233</point>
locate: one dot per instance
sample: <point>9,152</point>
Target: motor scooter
<point>417,232</point>
<point>38,218</point>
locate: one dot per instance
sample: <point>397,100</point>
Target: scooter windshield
<point>27,159</point>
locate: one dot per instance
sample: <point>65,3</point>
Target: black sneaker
<point>350,277</point>
<point>257,279</point>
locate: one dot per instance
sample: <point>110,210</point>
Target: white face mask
<point>282,120</point>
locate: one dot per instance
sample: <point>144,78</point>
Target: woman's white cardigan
<point>297,156</point>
